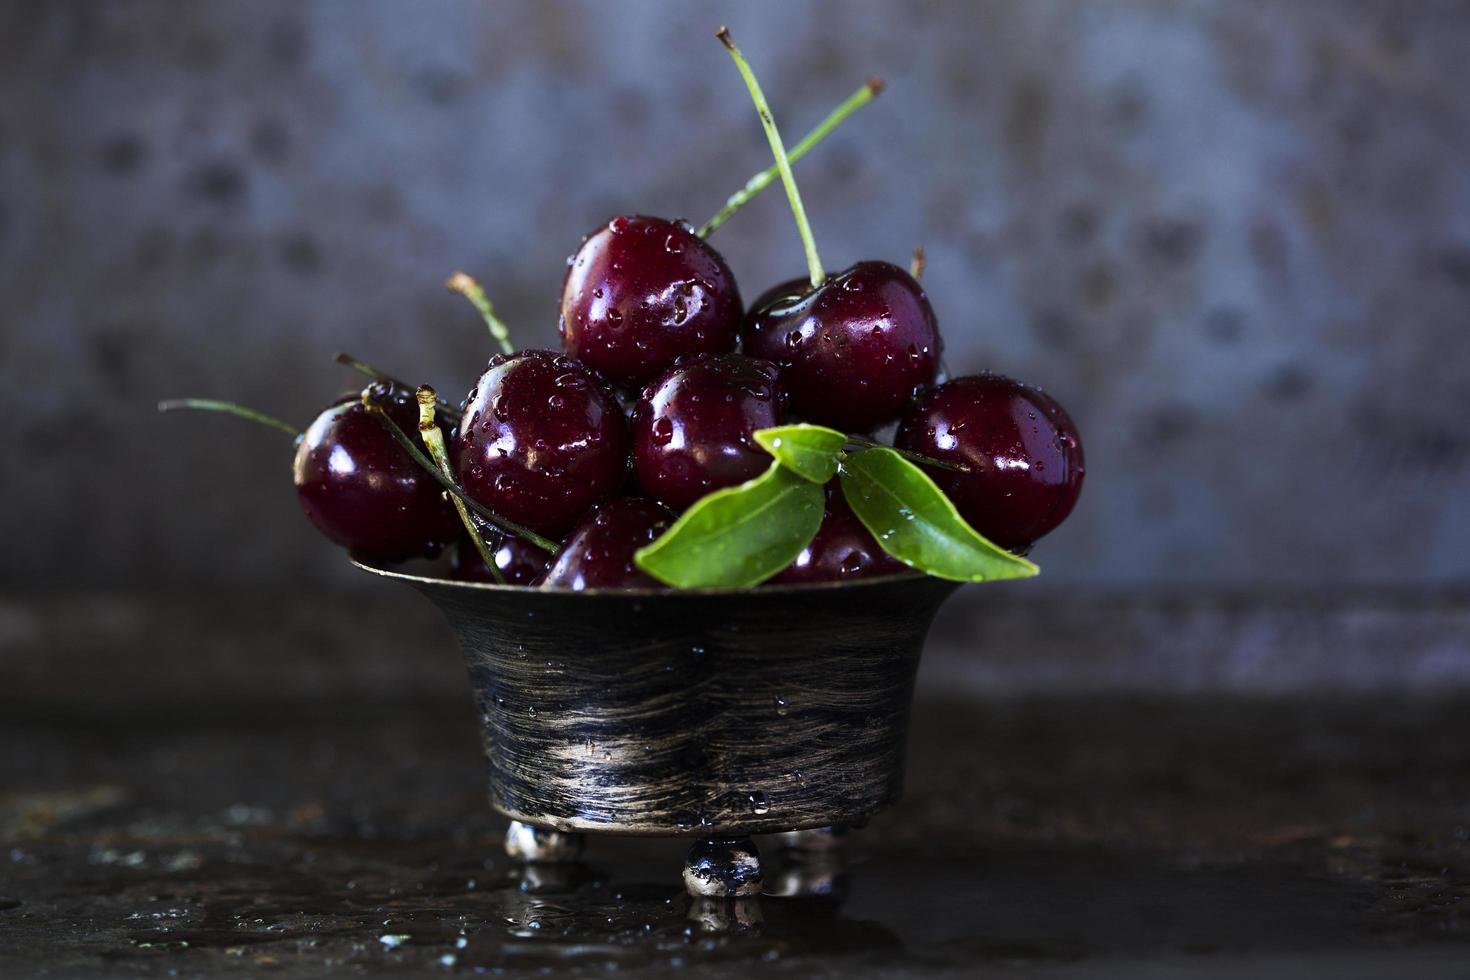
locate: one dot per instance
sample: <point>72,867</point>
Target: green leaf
<point>917,524</point>
<point>810,451</point>
<point>738,536</point>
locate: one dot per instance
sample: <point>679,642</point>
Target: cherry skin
<point>519,561</point>
<point>1025,459</point>
<point>359,487</point>
<point>854,350</point>
<point>640,293</point>
<point>692,427</point>
<point>542,440</point>
<point>843,549</point>
<point>599,552</point>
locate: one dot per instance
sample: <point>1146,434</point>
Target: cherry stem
<point>377,374</point>
<point>230,408</point>
<point>762,180</point>
<point>912,457</point>
<point>466,286</point>
<point>433,438</point>
<point>417,455</point>
<point>783,163</point>
<point>916,264</point>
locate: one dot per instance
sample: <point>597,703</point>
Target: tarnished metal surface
<point>698,713</point>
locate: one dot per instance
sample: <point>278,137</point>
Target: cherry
<point>542,440</point>
<point>599,552</point>
<point>362,490</point>
<point>518,560</point>
<point>854,349</point>
<point>1024,457</point>
<point>692,427</point>
<point>640,292</point>
<point>843,549</point>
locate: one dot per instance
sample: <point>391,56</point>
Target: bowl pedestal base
<point>715,867</point>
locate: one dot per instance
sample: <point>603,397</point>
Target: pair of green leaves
<point>742,535</point>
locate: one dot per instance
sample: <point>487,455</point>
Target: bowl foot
<point>541,845</point>
<point>723,868</point>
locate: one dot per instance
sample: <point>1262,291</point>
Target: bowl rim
<point>799,588</point>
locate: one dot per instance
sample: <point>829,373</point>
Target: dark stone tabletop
<point>182,824</point>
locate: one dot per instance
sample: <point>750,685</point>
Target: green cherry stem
<point>377,374</point>
<point>230,408</point>
<point>783,163</point>
<point>367,370</point>
<point>912,457</point>
<point>433,438</point>
<point>417,455</point>
<point>762,180</point>
<point>917,264</point>
<point>471,290</point>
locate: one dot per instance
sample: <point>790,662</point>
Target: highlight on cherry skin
<point>359,487</point>
<point>693,427</point>
<point>642,292</point>
<point>1024,457</point>
<point>542,439</point>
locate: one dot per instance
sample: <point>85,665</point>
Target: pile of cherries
<point>590,452</point>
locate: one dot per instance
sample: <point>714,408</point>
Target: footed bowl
<point>715,713</point>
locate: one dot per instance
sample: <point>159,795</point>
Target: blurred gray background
<point>1233,238</point>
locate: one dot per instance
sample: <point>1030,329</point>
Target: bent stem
<point>466,286</point>
<point>912,457</point>
<point>433,438</point>
<point>229,408</point>
<point>417,455</point>
<point>762,180</point>
<point>916,264</point>
<point>783,163</point>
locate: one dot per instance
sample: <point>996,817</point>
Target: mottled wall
<point>1232,237</point>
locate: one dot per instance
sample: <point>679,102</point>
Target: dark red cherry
<point>692,427</point>
<point>843,549</point>
<point>599,552</point>
<point>521,563</point>
<point>541,441</point>
<point>362,490</point>
<point>854,350</point>
<point>1024,455</point>
<point>642,292</point>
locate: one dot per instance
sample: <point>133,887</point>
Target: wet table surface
<point>1118,836</point>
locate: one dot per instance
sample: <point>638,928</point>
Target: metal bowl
<point>707,713</point>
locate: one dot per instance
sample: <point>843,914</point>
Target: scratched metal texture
<point>682,713</point>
